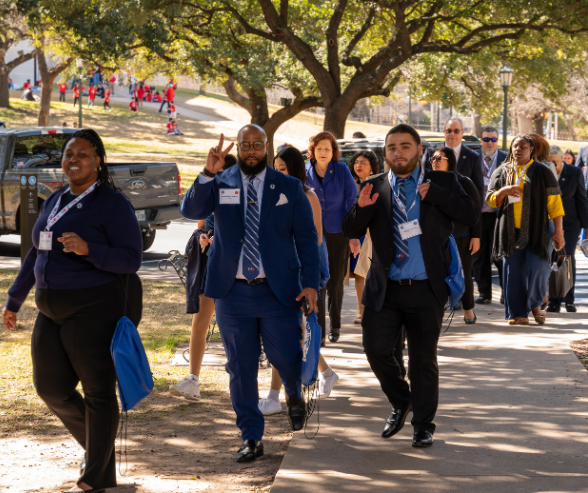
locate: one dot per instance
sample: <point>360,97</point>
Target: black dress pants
<point>483,257</point>
<point>338,251</point>
<point>417,309</point>
<point>71,343</point>
<point>463,247</point>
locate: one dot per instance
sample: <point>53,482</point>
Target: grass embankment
<point>164,325</point>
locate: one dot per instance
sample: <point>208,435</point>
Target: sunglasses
<point>245,146</point>
<point>436,159</point>
<point>490,139</point>
<point>448,131</point>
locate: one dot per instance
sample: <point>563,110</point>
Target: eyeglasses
<point>489,139</point>
<point>448,131</point>
<point>436,159</point>
<point>245,146</point>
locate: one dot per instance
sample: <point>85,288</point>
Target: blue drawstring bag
<point>324,256</point>
<point>311,347</point>
<point>135,381</point>
<point>455,280</point>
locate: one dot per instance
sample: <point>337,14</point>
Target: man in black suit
<point>492,158</point>
<point>575,203</point>
<point>469,162</point>
<point>582,158</point>
<point>409,212</point>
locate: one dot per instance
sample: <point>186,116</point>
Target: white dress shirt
<point>259,182</point>
<point>456,150</point>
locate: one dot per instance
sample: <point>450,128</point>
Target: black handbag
<point>561,279</point>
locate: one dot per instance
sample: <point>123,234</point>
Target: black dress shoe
<point>554,308</point>
<point>483,301</point>
<point>250,450</point>
<point>571,308</point>
<point>296,412</point>
<point>422,438</point>
<point>334,334</point>
<point>470,321</point>
<point>395,421</point>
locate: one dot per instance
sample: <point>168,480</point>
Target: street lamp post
<point>80,65</point>
<point>506,74</point>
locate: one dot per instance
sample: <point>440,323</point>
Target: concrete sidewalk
<point>513,416</point>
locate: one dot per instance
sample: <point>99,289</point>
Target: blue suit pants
<point>244,315</point>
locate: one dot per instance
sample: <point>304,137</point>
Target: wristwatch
<point>205,172</point>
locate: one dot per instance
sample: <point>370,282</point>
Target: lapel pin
<point>79,205</point>
<point>272,186</point>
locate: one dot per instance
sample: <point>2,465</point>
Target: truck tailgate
<point>147,185</point>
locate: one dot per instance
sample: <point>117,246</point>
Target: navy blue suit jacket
<point>582,157</point>
<point>288,240</point>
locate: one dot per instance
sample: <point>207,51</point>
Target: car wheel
<point>148,238</point>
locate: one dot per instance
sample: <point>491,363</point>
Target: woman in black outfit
<point>467,239</point>
<point>86,251</point>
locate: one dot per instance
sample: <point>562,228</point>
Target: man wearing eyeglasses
<point>469,162</point>
<point>263,261</point>
<point>492,158</point>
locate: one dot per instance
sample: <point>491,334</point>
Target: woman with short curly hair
<point>336,189</point>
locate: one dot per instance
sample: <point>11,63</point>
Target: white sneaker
<point>188,388</point>
<point>269,406</point>
<point>326,384</point>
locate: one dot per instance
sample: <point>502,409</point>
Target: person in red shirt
<point>91,95</point>
<point>76,93</point>
<point>169,94</point>
<point>172,111</point>
<point>157,97</point>
<point>107,100</point>
<point>27,84</point>
<point>62,91</point>
<point>140,95</point>
<point>133,105</point>
<point>170,127</point>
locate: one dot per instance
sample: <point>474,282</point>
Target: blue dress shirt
<point>415,267</point>
<point>336,193</point>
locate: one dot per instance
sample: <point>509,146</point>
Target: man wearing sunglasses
<point>263,261</point>
<point>492,158</point>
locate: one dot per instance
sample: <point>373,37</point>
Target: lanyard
<point>55,216</point>
<point>416,196</point>
<point>492,165</point>
<point>518,177</point>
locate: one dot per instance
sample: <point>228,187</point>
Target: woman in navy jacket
<point>86,238</point>
<point>331,180</point>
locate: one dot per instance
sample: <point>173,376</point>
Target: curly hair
<point>511,161</point>
<point>313,142</point>
<point>96,142</point>
<point>370,156</point>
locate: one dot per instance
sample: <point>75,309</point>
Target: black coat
<point>445,201</point>
<point>470,189</point>
<point>469,164</point>
<point>574,199</point>
<point>195,267</point>
<point>582,157</point>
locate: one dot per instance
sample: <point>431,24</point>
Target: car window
<point>38,151</point>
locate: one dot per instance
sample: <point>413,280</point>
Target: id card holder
<point>513,200</point>
<point>46,240</point>
<point>410,229</point>
<point>230,196</point>
<point>486,180</point>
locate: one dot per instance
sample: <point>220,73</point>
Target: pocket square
<point>283,200</point>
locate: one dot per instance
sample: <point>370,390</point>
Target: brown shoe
<point>539,316</point>
<point>519,321</point>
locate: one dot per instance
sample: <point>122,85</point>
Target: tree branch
<point>356,61</point>
<point>235,95</point>
<point>332,36</point>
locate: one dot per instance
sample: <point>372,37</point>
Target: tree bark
<point>6,68</point>
<point>48,76</point>
<point>476,125</point>
<point>538,125</point>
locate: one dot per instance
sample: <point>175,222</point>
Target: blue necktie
<point>251,245</point>
<point>401,246</point>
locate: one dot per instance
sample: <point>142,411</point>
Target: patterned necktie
<point>251,245</point>
<point>401,251</point>
<point>487,166</point>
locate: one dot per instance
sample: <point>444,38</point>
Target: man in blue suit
<point>492,158</point>
<point>263,261</point>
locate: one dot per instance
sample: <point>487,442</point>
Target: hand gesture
<point>365,199</point>
<point>513,191</point>
<point>205,240</point>
<point>9,318</point>
<point>423,189</point>
<point>73,243</point>
<point>310,295</point>
<point>216,156</point>
<point>355,246</point>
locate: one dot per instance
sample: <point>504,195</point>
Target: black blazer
<point>445,201</point>
<point>573,196</point>
<point>582,157</point>
<point>470,189</point>
<point>469,164</point>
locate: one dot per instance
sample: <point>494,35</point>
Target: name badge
<point>46,240</point>
<point>513,200</point>
<point>486,181</point>
<point>230,196</point>
<point>410,229</point>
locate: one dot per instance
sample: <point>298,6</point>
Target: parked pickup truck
<point>154,189</point>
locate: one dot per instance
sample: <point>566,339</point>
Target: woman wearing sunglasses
<point>467,239</point>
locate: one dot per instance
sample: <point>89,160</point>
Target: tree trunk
<point>4,94</point>
<point>538,125</point>
<point>45,106</point>
<point>570,125</point>
<point>476,125</point>
<point>336,115</point>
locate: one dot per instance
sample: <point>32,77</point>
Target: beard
<point>487,153</point>
<point>252,170</point>
<point>404,169</point>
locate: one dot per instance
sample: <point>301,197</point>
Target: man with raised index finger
<point>409,213</point>
<point>263,261</point>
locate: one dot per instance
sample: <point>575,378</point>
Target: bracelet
<point>205,172</point>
